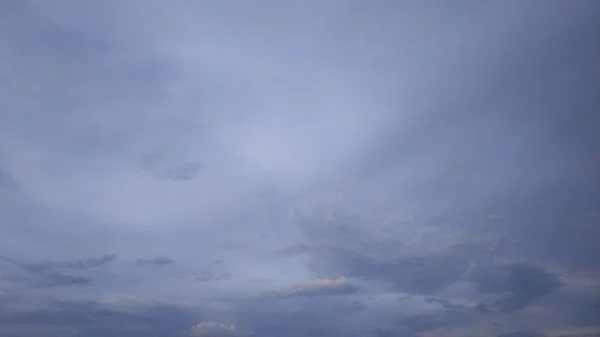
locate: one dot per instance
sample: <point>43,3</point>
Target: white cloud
<point>318,287</point>
<point>212,329</point>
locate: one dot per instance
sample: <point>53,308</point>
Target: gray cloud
<point>444,302</point>
<point>7,181</point>
<point>420,274</point>
<point>158,164</point>
<point>522,334</point>
<point>431,272</point>
<point>82,264</point>
<point>157,261</point>
<point>333,250</point>
<point>418,323</point>
<point>187,171</point>
<point>58,279</point>
<point>523,282</point>
<point>231,246</point>
<point>94,318</point>
<point>42,330</point>
<point>54,273</point>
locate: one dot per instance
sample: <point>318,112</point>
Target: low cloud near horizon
<point>316,168</point>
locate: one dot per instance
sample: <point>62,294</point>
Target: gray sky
<point>280,168</point>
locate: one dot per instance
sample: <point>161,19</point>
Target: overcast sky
<point>299,168</point>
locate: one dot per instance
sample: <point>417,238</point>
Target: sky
<point>299,168</point>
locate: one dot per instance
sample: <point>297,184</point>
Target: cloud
<point>319,287</point>
<point>158,163</point>
<point>426,272</point>
<point>421,274</point>
<point>212,329</point>
<point>41,330</point>
<point>523,283</point>
<point>418,323</point>
<point>88,317</point>
<point>56,273</point>
<point>58,279</point>
<point>7,180</point>
<point>124,132</point>
<point>448,304</point>
<point>398,253</point>
<point>49,265</point>
<point>206,277</point>
<point>522,334</point>
<point>575,331</point>
<point>494,329</point>
<point>185,172</point>
<point>292,250</point>
<point>51,278</point>
<point>90,262</point>
<point>82,264</point>
<point>231,246</point>
<point>157,261</point>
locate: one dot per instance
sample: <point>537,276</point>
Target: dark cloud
<point>519,283</point>
<point>356,305</point>
<point>185,172</point>
<point>445,303</point>
<point>82,264</point>
<point>59,279</point>
<point>52,278</point>
<point>422,274</point>
<point>87,263</point>
<point>382,332</point>
<point>157,261</point>
<point>7,180</point>
<point>150,161</point>
<point>522,334</point>
<point>339,244</point>
<point>56,273</point>
<point>91,318</point>
<point>293,250</point>
<point>299,317</point>
<point>414,324</point>
<point>155,162</point>
<point>39,330</point>
<point>231,246</point>
<point>425,272</point>
<point>523,283</point>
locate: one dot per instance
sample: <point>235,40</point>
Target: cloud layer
<point>309,168</point>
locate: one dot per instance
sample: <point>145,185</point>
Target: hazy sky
<point>299,168</point>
